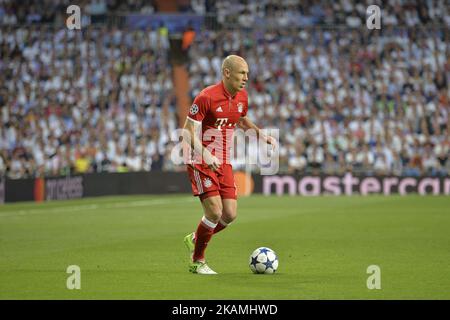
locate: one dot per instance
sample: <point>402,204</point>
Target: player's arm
<point>191,127</point>
<point>245,123</point>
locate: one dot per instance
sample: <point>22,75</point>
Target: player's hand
<point>271,140</point>
<point>212,162</point>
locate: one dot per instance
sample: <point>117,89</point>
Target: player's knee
<point>229,216</point>
<point>214,211</point>
<point>217,211</point>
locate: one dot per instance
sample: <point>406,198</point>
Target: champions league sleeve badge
<point>194,109</point>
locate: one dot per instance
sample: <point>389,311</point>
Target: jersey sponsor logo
<point>240,107</point>
<point>207,182</point>
<point>194,109</point>
<point>219,109</point>
<point>220,122</point>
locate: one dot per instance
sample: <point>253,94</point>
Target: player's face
<point>238,76</point>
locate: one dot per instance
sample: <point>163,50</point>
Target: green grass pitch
<point>132,248</point>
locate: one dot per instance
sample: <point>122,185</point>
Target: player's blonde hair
<point>230,62</point>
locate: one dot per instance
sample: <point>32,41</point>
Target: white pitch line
<point>132,204</point>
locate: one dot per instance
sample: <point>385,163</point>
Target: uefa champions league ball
<point>263,260</point>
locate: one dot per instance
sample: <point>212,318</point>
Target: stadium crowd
<point>343,99</point>
<point>54,11</point>
<point>100,100</point>
<point>289,13</point>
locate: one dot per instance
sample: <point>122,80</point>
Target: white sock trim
<point>223,223</point>
<point>208,223</point>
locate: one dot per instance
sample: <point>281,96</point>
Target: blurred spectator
<point>82,162</point>
<point>97,9</point>
<point>188,38</point>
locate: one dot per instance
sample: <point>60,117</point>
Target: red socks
<point>220,226</point>
<point>204,232</point>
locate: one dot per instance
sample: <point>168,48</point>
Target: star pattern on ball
<point>264,250</point>
<point>268,264</point>
<point>254,261</point>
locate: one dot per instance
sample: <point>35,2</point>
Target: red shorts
<point>206,183</point>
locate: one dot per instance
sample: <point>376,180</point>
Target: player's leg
<point>229,213</point>
<point>228,193</point>
<point>205,185</point>
<point>212,210</point>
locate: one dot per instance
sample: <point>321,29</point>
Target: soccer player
<point>215,112</point>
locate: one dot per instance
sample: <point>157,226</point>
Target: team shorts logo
<point>240,107</point>
<point>194,109</point>
<point>207,182</point>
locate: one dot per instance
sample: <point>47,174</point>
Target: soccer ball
<point>263,260</point>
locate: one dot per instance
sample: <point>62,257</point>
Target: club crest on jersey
<point>207,182</point>
<point>219,109</point>
<point>194,109</point>
<point>240,107</point>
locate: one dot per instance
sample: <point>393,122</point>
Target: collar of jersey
<point>227,94</point>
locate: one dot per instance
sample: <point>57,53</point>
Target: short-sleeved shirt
<point>218,112</point>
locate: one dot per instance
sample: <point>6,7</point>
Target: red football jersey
<point>218,112</point>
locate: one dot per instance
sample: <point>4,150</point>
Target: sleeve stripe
<point>196,121</point>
